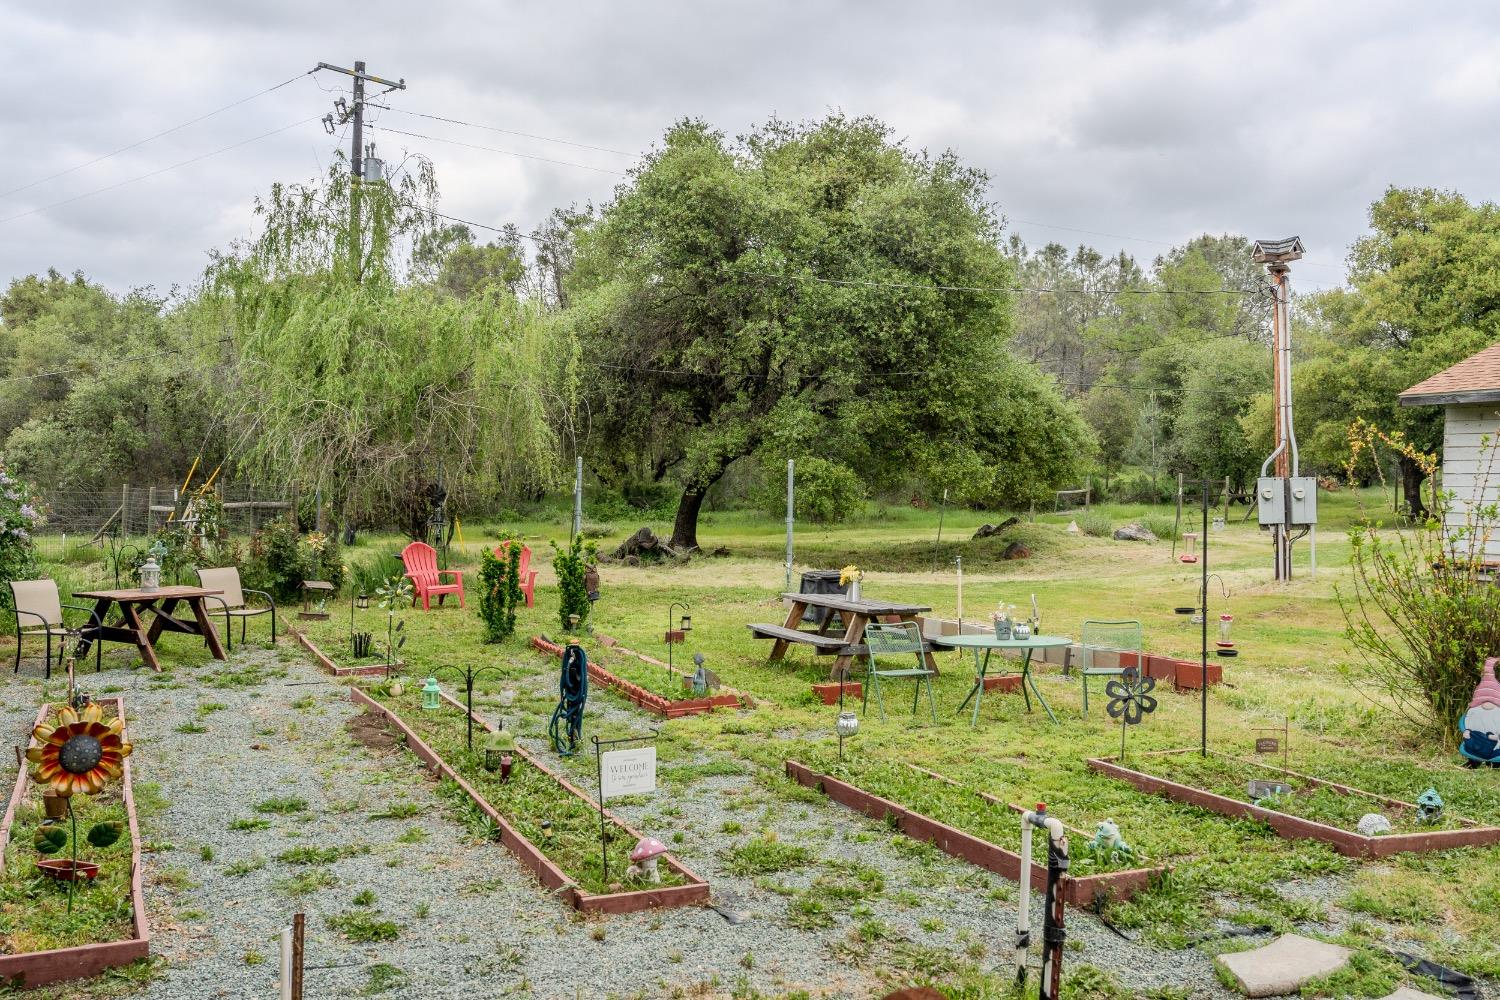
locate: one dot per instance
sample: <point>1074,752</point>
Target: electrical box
<point>1270,500</point>
<point>1304,500</point>
<point>1271,496</point>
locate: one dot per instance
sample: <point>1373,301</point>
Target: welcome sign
<point>627,772</point>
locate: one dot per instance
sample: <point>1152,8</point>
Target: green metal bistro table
<point>989,643</point>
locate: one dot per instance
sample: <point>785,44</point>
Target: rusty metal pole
<point>299,925</point>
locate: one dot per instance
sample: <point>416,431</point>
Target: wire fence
<point>97,518</point>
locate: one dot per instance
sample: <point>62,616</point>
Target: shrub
<point>500,591</point>
<point>825,492</point>
<point>279,562</point>
<point>20,514</point>
<point>1164,528</point>
<point>571,565</point>
<point>326,557</point>
<point>1095,523</point>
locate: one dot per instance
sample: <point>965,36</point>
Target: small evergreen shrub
<point>571,564</point>
<point>279,561</point>
<point>500,593</point>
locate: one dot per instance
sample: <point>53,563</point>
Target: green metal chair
<point>896,640</point>
<point>1113,638</point>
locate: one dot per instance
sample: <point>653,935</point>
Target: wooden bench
<point>830,645</point>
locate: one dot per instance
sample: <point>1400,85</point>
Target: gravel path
<point>468,920</point>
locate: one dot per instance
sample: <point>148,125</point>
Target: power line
<point>153,138</point>
<point>507,131</point>
<point>1023,289</point>
<point>492,149</point>
<point>162,170</point>
<point>1138,239</point>
<point>115,363</point>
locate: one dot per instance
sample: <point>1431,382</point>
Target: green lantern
<point>432,695</point>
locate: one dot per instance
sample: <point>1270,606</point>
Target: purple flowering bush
<point>21,513</point>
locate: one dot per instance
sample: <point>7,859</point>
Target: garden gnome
<point>1480,725</point>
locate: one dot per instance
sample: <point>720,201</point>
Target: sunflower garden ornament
<point>79,752</point>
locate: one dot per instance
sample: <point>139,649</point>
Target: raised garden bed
<point>1221,784</point>
<point>1084,890</point>
<point>651,701</point>
<point>36,911</point>
<point>372,669</point>
<point>565,857</point>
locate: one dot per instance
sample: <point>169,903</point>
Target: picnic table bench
<point>855,614</point>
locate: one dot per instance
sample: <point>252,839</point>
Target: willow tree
<point>382,390</point>
<point>814,289</point>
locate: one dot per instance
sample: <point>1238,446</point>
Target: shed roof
<point>1475,379</point>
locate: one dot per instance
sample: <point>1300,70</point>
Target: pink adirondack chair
<point>524,570</point>
<point>420,560</point>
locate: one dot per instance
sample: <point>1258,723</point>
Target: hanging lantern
<point>847,725</point>
<point>507,697</point>
<point>150,575</point>
<point>362,601</point>
<point>432,695</point>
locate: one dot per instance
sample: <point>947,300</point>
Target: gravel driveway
<point>272,806</point>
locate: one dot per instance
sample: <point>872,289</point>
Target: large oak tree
<point>813,289</point>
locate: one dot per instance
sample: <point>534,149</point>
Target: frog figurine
<point>1108,844</point>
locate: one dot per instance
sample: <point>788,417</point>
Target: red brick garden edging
<point>1084,891</point>
<point>1346,842</point>
<point>38,968</point>
<point>548,873</point>
<point>668,708</point>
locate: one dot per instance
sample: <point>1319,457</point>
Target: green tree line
<point>815,291</point>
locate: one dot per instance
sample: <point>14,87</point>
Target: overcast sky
<point>1142,123</point>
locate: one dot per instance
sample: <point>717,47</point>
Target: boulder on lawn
<point>1073,528</point>
<point>1016,550</point>
<point>991,530</point>
<point>1134,532</point>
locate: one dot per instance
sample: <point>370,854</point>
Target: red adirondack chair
<point>527,574</point>
<point>420,560</point>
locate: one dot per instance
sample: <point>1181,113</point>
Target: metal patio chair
<point>232,601</point>
<point>901,638</point>
<point>38,602</point>
<point>1101,646</point>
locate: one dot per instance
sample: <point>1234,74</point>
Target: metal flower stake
<point>78,752</point>
<point>1130,701</point>
<point>394,593</point>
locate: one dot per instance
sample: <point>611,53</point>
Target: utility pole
<point>362,162</point>
<point>1284,499</point>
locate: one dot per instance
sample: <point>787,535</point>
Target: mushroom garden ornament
<point>643,860</point>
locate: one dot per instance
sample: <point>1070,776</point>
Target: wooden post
<point>1088,490</point>
<point>299,922</point>
<point>1226,499</point>
<point>124,510</point>
<point>150,503</point>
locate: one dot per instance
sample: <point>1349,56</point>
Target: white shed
<point>1469,394</point>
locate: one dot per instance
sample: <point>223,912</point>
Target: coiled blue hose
<point>573,694</point>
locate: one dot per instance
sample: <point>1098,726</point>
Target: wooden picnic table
<point>855,613</point>
<point>161,603</point>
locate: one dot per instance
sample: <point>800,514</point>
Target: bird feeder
<point>1191,555</point>
<point>315,595</point>
<point>591,583</point>
<point>1225,622</point>
<point>432,695</point>
<point>643,859</point>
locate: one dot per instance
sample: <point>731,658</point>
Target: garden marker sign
<point>627,772</point>
<point>622,772</point>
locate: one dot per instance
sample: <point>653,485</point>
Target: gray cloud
<point>1152,121</point>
